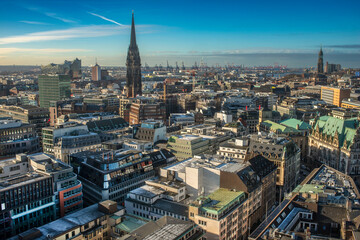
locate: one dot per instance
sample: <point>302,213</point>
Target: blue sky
<point>219,32</point>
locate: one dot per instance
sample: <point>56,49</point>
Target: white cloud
<point>34,22</point>
<point>41,50</point>
<point>106,19</point>
<point>55,16</point>
<point>78,32</point>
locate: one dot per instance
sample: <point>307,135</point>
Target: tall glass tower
<point>53,87</point>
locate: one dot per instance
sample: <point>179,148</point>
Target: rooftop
<point>147,191</point>
<point>70,221</point>
<point>130,223</point>
<point>293,122</point>
<point>329,181</point>
<point>22,179</point>
<point>166,228</point>
<point>345,130</point>
<point>187,137</point>
<point>218,201</point>
<point>311,188</point>
<point>210,161</point>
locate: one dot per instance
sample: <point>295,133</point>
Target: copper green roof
<point>346,129</point>
<point>279,127</point>
<point>220,200</point>
<point>293,122</point>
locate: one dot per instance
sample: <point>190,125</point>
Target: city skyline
<point>37,32</point>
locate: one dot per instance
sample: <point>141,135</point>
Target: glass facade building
<point>53,88</point>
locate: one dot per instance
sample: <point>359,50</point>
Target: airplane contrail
<point>106,19</point>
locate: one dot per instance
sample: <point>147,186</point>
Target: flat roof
<point>312,188</point>
<point>220,199</point>
<point>147,191</point>
<point>130,223</point>
<point>188,137</point>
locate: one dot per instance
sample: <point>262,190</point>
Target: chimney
<point>107,207</point>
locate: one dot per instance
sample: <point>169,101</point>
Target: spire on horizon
<point>133,36</point>
<point>133,65</point>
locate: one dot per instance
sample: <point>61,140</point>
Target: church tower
<point>320,66</point>
<point>133,65</point>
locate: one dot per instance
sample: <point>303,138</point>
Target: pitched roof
<point>293,122</point>
<point>346,129</point>
<point>262,166</point>
<point>279,127</point>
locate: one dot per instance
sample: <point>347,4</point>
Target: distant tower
<point>320,66</point>
<point>183,66</point>
<point>133,64</point>
<point>96,72</point>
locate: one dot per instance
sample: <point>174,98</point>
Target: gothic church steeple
<point>133,64</point>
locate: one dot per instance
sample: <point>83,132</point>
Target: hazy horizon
<point>39,32</point>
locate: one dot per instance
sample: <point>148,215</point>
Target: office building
<point>204,174</point>
<point>67,188</point>
<point>166,228</point>
<point>51,134</point>
<point>330,67</point>
<point>149,130</point>
<point>124,107</point>
<point>110,175</point>
<point>222,214</point>
<point>334,96</point>
<point>181,119</point>
<point>324,206</point>
<point>250,120</point>
<point>284,153</point>
<point>187,146</point>
<point>27,114</point>
<point>96,73</point>
<point>27,200</point>
<point>143,110</point>
<point>97,221</point>
<point>350,103</point>
<point>234,148</point>
<point>76,141</point>
<point>157,199</point>
<point>53,87</point>
<point>293,128</point>
<point>16,137</point>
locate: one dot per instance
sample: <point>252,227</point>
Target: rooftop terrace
<point>218,201</point>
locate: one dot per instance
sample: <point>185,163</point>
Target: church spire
<point>320,66</point>
<point>133,64</point>
<point>133,36</point>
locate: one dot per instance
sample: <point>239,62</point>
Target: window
<point>202,222</point>
<point>67,236</point>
